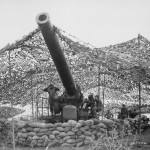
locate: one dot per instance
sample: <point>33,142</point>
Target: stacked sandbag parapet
<point>70,133</point>
<point>135,123</point>
<point>123,127</point>
<point>3,129</point>
<point>6,131</point>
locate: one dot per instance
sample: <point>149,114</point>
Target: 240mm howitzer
<point>71,102</point>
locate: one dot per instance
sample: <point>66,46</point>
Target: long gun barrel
<point>56,52</point>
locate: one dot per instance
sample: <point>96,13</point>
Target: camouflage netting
<point>32,67</point>
<point>6,112</point>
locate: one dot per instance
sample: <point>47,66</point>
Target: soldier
<point>124,112</point>
<point>91,104</point>
<point>108,114</point>
<point>51,89</point>
<point>99,104</point>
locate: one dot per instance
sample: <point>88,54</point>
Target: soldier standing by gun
<point>108,114</point>
<point>99,105</point>
<point>124,112</point>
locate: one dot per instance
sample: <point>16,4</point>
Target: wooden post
<point>42,106</point>
<point>48,108</point>
<point>99,77</point>
<point>32,91</point>
<point>103,95</point>
<point>1,92</point>
<point>139,85</point>
<point>139,107</point>
<point>37,108</point>
<point>37,89</point>
<point>11,100</point>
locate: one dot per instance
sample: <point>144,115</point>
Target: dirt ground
<point>43,148</point>
<point>138,144</point>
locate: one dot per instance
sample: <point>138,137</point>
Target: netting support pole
<point>103,96</point>
<point>1,85</point>
<point>32,94</point>
<point>99,78</point>
<point>139,85</point>
<point>37,90</point>
<point>11,100</point>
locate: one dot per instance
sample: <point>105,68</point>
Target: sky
<point>98,22</point>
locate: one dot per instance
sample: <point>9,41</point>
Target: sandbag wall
<point>70,133</point>
<point>3,129</point>
<point>6,131</point>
